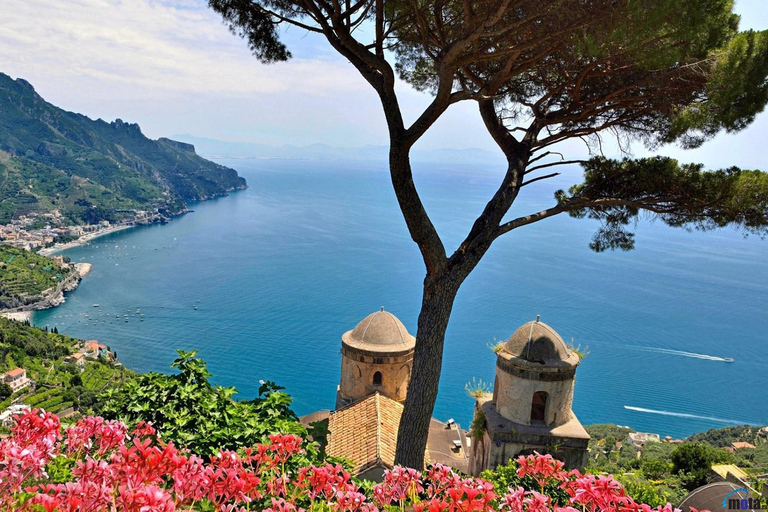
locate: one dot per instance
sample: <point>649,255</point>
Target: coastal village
<point>48,232</point>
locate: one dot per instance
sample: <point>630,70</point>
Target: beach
<point>83,240</point>
<point>19,316</point>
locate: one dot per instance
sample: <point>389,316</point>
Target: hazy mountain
<point>51,158</point>
<point>220,149</point>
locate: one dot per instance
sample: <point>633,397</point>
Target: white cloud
<point>173,67</point>
<point>177,46</point>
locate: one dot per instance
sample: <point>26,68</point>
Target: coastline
<point>81,270</point>
<point>83,240</point>
<point>53,299</point>
<point>19,316</point>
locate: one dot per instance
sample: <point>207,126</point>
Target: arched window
<point>539,407</point>
<point>377,379</point>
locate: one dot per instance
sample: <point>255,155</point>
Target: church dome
<point>380,332</point>
<point>536,342</point>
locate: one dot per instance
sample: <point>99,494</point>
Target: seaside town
<point>47,232</point>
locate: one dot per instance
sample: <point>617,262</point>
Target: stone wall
<point>514,396</point>
<point>359,367</point>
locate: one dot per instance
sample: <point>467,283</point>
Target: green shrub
<point>188,410</point>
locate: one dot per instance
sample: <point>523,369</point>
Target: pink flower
<point>349,501</point>
<point>147,475</point>
<point>146,498</point>
<point>399,485</point>
<point>324,481</point>
<point>280,505</point>
<point>284,446</point>
<point>543,468</point>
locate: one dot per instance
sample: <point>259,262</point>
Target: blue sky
<point>172,67</point>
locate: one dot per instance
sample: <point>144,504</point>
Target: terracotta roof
<point>16,372</point>
<point>741,444</point>
<point>365,432</point>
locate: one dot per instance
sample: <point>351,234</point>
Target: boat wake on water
<point>689,416</point>
<point>681,353</point>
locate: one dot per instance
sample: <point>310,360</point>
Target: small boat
<point>728,359</point>
<point>95,305</point>
<point>194,307</point>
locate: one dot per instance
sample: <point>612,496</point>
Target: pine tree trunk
<point>437,303</point>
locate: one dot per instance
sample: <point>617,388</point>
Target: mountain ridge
<point>52,159</point>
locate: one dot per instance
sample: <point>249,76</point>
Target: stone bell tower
<point>376,356</point>
<point>530,409</point>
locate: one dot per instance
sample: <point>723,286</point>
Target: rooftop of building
<point>711,496</point>
<point>365,432</point>
<point>723,470</point>
<point>536,343</point>
<point>16,372</point>
<point>379,332</point>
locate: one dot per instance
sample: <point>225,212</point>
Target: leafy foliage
<point>615,192</point>
<point>186,409</point>
<point>24,342</point>
<point>693,462</point>
<point>734,95</point>
<point>722,437</point>
<point>644,491</point>
<point>5,391</point>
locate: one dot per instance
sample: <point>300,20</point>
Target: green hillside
<point>662,471</point>
<point>25,275</point>
<point>59,386</point>
<point>91,170</point>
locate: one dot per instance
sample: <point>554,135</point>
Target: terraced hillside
<point>58,386</point>
<point>24,276</point>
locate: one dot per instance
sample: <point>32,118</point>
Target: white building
<point>16,378</point>
<point>6,417</point>
<point>640,438</point>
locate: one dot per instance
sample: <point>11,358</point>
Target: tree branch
<point>544,166</point>
<point>540,178</point>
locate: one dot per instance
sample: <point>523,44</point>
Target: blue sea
<point>279,271</point>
